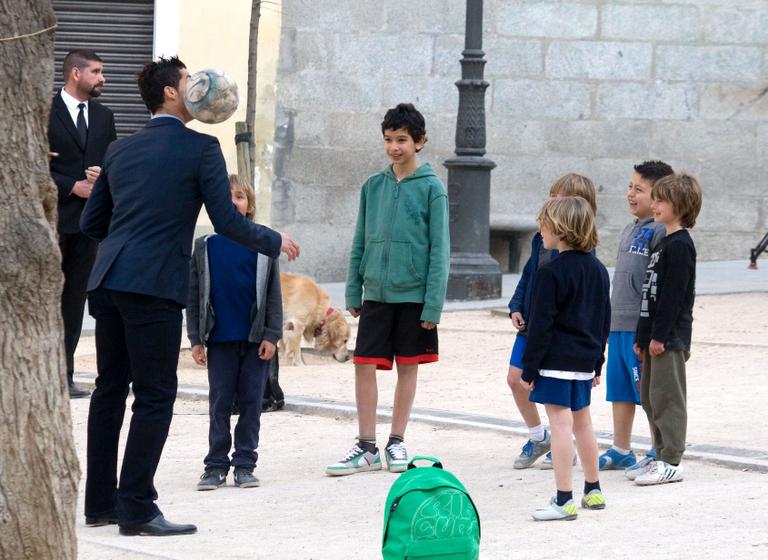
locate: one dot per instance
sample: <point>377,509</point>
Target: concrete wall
<point>590,86</point>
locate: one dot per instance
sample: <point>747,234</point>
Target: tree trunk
<point>250,104</point>
<point>38,465</point>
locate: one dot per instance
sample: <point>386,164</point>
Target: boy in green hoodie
<point>398,274</point>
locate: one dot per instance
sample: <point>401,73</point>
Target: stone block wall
<point>588,86</point>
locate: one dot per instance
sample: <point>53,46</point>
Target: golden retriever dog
<point>307,313</point>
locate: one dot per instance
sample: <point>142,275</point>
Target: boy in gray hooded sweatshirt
<point>638,241</point>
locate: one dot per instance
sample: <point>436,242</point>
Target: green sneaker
<point>397,457</point>
<point>356,460</point>
<point>554,512</point>
<point>593,500</point>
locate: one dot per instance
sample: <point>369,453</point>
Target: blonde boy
<point>567,331</point>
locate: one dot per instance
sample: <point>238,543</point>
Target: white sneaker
<point>554,512</point>
<point>660,473</point>
<point>641,467</point>
<point>397,457</point>
<point>356,460</point>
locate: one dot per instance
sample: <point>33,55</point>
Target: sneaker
<point>211,479</point>
<point>546,464</point>
<point>642,466</point>
<point>244,478</point>
<point>397,457</point>
<point>593,500</point>
<point>532,450</point>
<point>613,460</point>
<point>356,460</point>
<point>554,512</point>
<point>660,473</point>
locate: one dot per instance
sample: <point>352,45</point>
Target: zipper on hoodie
<point>389,236</point>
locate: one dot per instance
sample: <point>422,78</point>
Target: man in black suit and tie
<point>79,131</point>
<point>143,210</point>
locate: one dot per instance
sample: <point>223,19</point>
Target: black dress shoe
<point>157,527</point>
<point>101,520</point>
<point>76,392</point>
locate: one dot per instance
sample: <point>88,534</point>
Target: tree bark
<point>250,104</point>
<point>38,465</point>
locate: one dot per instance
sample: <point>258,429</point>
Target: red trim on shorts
<point>420,359</point>
<point>381,363</point>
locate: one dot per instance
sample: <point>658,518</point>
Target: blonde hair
<point>570,219</point>
<point>683,192</point>
<point>238,184</point>
<point>574,184</point>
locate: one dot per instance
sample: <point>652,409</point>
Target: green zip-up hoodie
<point>401,248</point>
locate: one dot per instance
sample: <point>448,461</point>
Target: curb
<point>730,457</point>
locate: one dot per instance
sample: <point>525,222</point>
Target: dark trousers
<point>137,341</point>
<point>234,368</point>
<point>77,255</point>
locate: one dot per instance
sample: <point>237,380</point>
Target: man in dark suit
<point>79,131</point>
<point>143,209</point>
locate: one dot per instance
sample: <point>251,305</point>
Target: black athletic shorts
<point>393,331</point>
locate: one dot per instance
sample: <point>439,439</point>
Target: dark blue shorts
<point>518,349</point>
<point>562,392</point>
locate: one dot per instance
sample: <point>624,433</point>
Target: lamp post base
<point>473,276</point>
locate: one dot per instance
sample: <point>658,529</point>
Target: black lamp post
<point>474,274</point>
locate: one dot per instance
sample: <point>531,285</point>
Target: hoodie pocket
<point>402,271</point>
<point>372,262</point>
<point>626,294</point>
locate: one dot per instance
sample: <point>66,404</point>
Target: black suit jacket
<point>69,166</point>
<point>144,206</point>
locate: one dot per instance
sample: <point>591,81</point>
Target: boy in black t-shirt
<point>663,340</point>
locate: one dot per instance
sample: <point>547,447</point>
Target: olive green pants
<point>663,395</point>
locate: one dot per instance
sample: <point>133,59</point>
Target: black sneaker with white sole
<point>211,479</point>
<point>244,478</point>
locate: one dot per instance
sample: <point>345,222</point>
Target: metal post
<point>474,274</point>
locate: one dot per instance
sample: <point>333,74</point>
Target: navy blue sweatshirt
<point>666,313</point>
<point>570,316</point>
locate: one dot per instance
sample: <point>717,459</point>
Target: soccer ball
<point>211,96</point>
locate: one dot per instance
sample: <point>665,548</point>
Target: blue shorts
<point>518,349</point>
<point>562,392</point>
<point>623,369</point>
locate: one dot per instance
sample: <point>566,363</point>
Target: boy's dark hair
<point>683,192</point>
<point>406,116</point>
<point>155,76</point>
<point>78,58</point>
<point>653,170</point>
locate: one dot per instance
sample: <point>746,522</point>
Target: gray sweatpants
<point>663,395</point>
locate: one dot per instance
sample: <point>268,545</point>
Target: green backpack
<point>430,516</point>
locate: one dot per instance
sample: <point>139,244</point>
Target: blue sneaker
<point>532,450</point>
<point>642,466</point>
<point>613,460</point>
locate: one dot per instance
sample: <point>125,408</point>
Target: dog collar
<point>319,328</point>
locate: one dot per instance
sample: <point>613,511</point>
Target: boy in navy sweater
<point>235,310</point>
<point>663,341</point>
<point>567,331</point>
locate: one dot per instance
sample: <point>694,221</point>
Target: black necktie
<point>82,129</point>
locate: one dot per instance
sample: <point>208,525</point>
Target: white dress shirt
<point>72,106</point>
